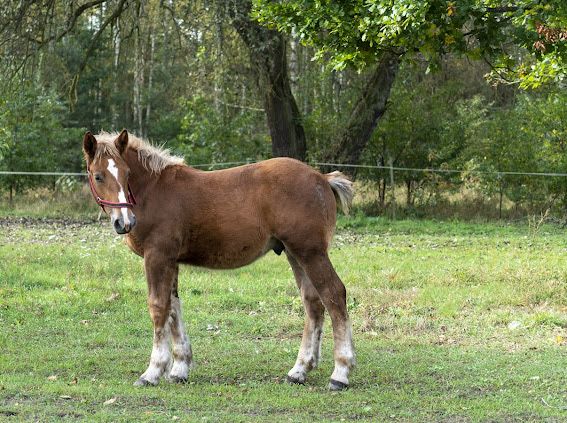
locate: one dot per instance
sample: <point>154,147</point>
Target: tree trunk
<point>366,113</point>
<point>267,49</point>
<point>306,83</point>
<point>284,120</point>
<point>150,78</point>
<point>293,63</point>
<point>117,39</point>
<point>138,75</point>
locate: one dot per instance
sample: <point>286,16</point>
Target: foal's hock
<point>223,220</point>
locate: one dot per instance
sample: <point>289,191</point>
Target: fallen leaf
<point>52,377</point>
<point>110,401</point>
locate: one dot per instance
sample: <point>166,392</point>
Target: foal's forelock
<point>154,159</point>
<point>106,150</point>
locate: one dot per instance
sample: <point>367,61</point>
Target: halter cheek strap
<point>130,201</point>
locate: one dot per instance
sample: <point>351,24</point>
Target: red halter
<point>131,200</point>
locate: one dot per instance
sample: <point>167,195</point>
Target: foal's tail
<point>342,188</point>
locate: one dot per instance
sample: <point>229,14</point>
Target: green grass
<point>431,304</point>
<point>44,203</point>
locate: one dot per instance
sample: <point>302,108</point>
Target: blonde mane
<point>154,159</point>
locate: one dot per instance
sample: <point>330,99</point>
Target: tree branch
<point>502,9</point>
<point>71,21</point>
<point>80,10</point>
<point>94,42</point>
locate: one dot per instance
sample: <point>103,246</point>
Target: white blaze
<point>121,197</point>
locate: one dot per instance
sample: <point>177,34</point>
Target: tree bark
<point>150,78</point>
<point>138,82</point>
<point>293,63</point>
<point>267,49</point>
<point>366,113</point>
<point>117,44</point>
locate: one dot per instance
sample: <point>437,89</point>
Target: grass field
<point>452,322</point>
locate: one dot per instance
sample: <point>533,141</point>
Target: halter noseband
<point>130,202</point>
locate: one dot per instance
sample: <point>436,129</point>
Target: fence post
<point>501,195</point>
<point>393,189</point>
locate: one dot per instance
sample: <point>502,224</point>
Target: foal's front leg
<point>160,274</point>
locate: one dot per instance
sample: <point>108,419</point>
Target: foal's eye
<point>98,177</point>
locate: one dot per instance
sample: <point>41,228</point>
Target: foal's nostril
<point>131,223</point>
<point>119,226</point>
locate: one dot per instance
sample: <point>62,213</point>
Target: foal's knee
<point>159,311</point>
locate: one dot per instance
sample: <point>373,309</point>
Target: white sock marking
<point>182,355</point>
<point>346,352</point>
<point>309,354</point>
<point>160,357</point>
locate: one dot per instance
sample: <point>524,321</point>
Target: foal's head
<point>108,176</point>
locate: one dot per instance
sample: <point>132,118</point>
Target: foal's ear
<point>89,145</point>
<point>121,142</point>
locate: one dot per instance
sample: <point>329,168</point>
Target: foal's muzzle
<point>122,228</point>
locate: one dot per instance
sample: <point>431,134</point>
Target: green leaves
<point>32,137</point>
<point>207,135</point>
<point>355,33</point>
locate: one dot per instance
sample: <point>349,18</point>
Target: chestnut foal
<point>223,220</point>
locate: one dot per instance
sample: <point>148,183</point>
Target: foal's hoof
<point>295,381</point>
<point>144,382</point>
<point>177,379</point>
<point>336,385</point>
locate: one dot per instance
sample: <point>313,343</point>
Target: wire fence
<point>386,196</point>
<point>41,173</point>
<point>433,170</point>
<point>339,165</point>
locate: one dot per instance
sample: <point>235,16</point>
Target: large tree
<point>525,44</point>
<point>267,53</point>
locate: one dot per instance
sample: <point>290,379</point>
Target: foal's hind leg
<point>310,350</point>
<point>332,292</point>
<point>160,274</point>
<point>182,354</point>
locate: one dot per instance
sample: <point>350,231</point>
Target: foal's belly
<point>226,255</point>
